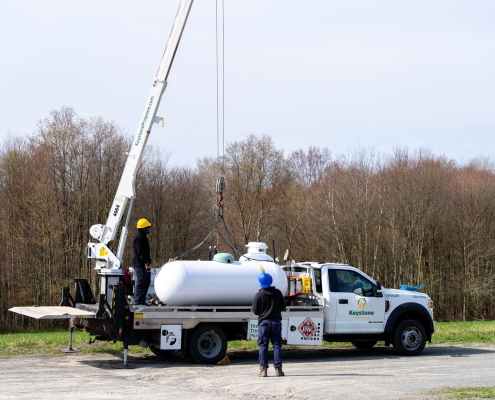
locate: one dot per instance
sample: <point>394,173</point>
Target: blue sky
<point>336,74</point>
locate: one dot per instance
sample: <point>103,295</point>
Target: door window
<point>352,282</point>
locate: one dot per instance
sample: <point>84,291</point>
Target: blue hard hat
<point>265,280</point>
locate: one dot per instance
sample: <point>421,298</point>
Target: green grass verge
<point>465,332</point>
<point>465,393</point>
<point>53,342</point>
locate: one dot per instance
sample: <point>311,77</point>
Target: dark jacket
<point>268,304</point>
<point>141,247</point>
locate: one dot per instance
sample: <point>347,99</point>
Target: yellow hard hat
<point>143,223</point>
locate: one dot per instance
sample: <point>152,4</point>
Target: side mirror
<point>377,289</point>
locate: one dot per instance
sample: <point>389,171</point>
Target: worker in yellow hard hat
<point>141,262</point>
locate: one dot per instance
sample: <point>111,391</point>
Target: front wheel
<point>409,338</point>
<point>207,344</point>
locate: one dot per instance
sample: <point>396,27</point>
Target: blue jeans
<point>270,330</point>
<point>143,279</point>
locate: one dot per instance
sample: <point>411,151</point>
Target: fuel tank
<point>208,283</point>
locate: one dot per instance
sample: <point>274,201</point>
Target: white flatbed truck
<point>342,304</point>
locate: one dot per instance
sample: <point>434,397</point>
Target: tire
<point>409,338</point>
<point>207,344</point>
<point>160,353</point>
<point>364,345</point>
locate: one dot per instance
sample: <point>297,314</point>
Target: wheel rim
<point>209,344</point>
<point>411,338</point>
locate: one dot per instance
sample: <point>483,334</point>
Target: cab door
<point>356,309</point>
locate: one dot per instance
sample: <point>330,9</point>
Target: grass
<point>465,332</point>
<point>243,345</point>
<point>466,393</point>
<point>54,342</point>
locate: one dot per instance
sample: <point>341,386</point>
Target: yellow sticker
<point>138,315</point>
<point>103,252</point>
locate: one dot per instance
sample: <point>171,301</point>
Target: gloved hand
<point>148,267</point>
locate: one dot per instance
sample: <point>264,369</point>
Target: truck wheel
<point>409,338</point>
<point>159,352</point>
<point>364,345</point>
<point>208,344</point>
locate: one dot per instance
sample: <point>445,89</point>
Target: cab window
<point>346,281</point>
<point>317,273</point>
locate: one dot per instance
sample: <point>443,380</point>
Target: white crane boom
<point>126,190</point>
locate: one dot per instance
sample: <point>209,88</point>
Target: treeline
<point>417,215</point>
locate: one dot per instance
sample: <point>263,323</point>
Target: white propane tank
<point>256,251</point>
<point>207,283</point>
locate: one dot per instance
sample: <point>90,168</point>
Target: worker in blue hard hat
<point>141,261</point>
<point>268,305</point>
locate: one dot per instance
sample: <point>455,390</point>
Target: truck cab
<point>358,310</point>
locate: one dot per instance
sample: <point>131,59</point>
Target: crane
<point>109,262</point>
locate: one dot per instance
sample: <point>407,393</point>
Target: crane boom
<point>126,189</point>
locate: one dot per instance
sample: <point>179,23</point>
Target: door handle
<point>343,301</point>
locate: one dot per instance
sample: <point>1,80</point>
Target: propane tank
<point>206,283</point>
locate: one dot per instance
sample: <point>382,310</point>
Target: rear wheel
<point>409,338</point>
<point>207,344</point>
<point>364,345</point>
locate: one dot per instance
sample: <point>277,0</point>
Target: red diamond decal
<point>307,328</point>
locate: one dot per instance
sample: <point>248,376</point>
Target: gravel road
<point>310,374</point>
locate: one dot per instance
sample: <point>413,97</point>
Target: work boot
<point>279,372</point>
<point>262,372</point>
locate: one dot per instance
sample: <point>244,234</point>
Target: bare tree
<point>292,216</point>
<point>257,174</point>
